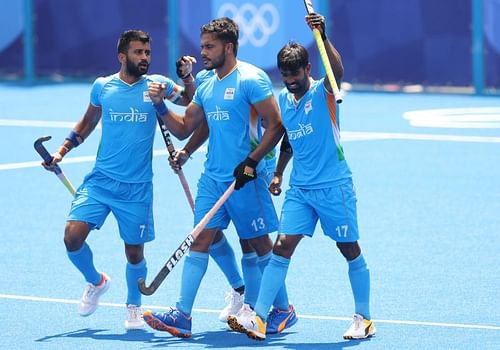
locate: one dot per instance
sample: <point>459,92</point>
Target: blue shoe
<point>173,321</point>
<point>279,320</point>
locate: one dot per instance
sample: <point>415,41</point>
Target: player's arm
<point>180,126</point>
<point>317,21</point>
<point>198,138</point>
<point>286,154</point>
<point>77,135</point>
<point>271,118</point>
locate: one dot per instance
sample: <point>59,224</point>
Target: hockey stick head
<point>42,151</point>
<point>40,148</point>
<point>146,290</point>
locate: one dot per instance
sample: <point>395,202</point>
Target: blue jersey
<point>128,126</point>
<point>228,106</point>
<point>312,128</point>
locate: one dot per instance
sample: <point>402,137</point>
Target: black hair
<point>131,35</point>
<point>224,29</point>
<point>292,56</point>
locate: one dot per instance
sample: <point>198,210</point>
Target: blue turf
<point>428,216</point>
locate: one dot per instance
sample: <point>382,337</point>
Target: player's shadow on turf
<point>100,334</point>
<point>223,339</point>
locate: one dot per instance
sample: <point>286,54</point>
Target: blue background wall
<point>427,42</point>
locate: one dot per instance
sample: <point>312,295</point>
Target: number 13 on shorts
<point>258,224</point>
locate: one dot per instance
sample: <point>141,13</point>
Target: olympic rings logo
<point>256,24</point>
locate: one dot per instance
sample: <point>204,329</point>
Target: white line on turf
<point>346,136</point>
<point>331,318</point>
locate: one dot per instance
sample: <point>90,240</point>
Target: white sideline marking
<point>39,123</point>
<point>330,318</point>
<point>72,160</point>
<point>346,136</point>
<point>458,118</point>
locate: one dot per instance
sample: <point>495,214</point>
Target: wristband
<point>161,108</point>
<point>75,138</point>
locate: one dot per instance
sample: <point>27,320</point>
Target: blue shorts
<point>335,207</point>
<point>251,208</point>
<point>130,203</point>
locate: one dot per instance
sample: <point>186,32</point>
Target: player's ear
<point>307,69</point>
<point>121,57</point>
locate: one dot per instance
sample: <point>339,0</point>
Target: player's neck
<point>129,79</point>
<point>227,68</point>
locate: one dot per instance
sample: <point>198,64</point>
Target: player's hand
<point>157,92</point>
<point>316,21</point>
<point>178,160</point>
<point>275,185</point>
<point>245,172</point>
<point>56,158</point>
<point>184,66</point>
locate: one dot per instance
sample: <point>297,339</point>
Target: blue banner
<point>406,42</point>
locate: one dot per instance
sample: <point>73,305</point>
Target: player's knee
<point>75,234</point>
<point>246,247</point>
<point>134,253</point>
<point>262,245</point>
<point>285,245</point>
<point>350,250</point>
<point>203,241</point>
<point>218,236</point>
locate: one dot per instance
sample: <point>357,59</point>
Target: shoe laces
<point>232,297</point>
<point>272,315</point>
<point>134,312</point>
<point>89,292</point>
<point>357,321</point>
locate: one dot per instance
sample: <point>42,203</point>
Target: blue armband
<point>161,108</point>
<point>75,138</point>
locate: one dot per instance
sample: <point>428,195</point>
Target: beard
<point>299,86</point>
<point>215,63</point>
<point>137,70</point>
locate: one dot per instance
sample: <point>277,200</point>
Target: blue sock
<point>195,266</point>
<point>84,262</point>
<point>272,280</point>
<point>252,277</point>
<point>359,275</point>
<point>133,272</point>
<point>281,301</point>
<point>223,254</point>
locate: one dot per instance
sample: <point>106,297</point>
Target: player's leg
<point>338,215</point>
<point>133,211</point>
<point>86,213</point>
<point>177,321</point>
<point>223,254</point>
<point>136,268</point>
<point>261,222</point>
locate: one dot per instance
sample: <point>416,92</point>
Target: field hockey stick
<point>47,158</point>
<point>171,151</point>
<point>183,247</point>
<point>324,56</point>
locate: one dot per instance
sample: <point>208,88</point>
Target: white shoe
<point>360,328</point>
<point>90,298</point>
<point>135,319</point>
<point>235,302</point>
<point>246,321</point>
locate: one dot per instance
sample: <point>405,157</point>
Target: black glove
<point>178,65</point>
<point>242,177</point>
